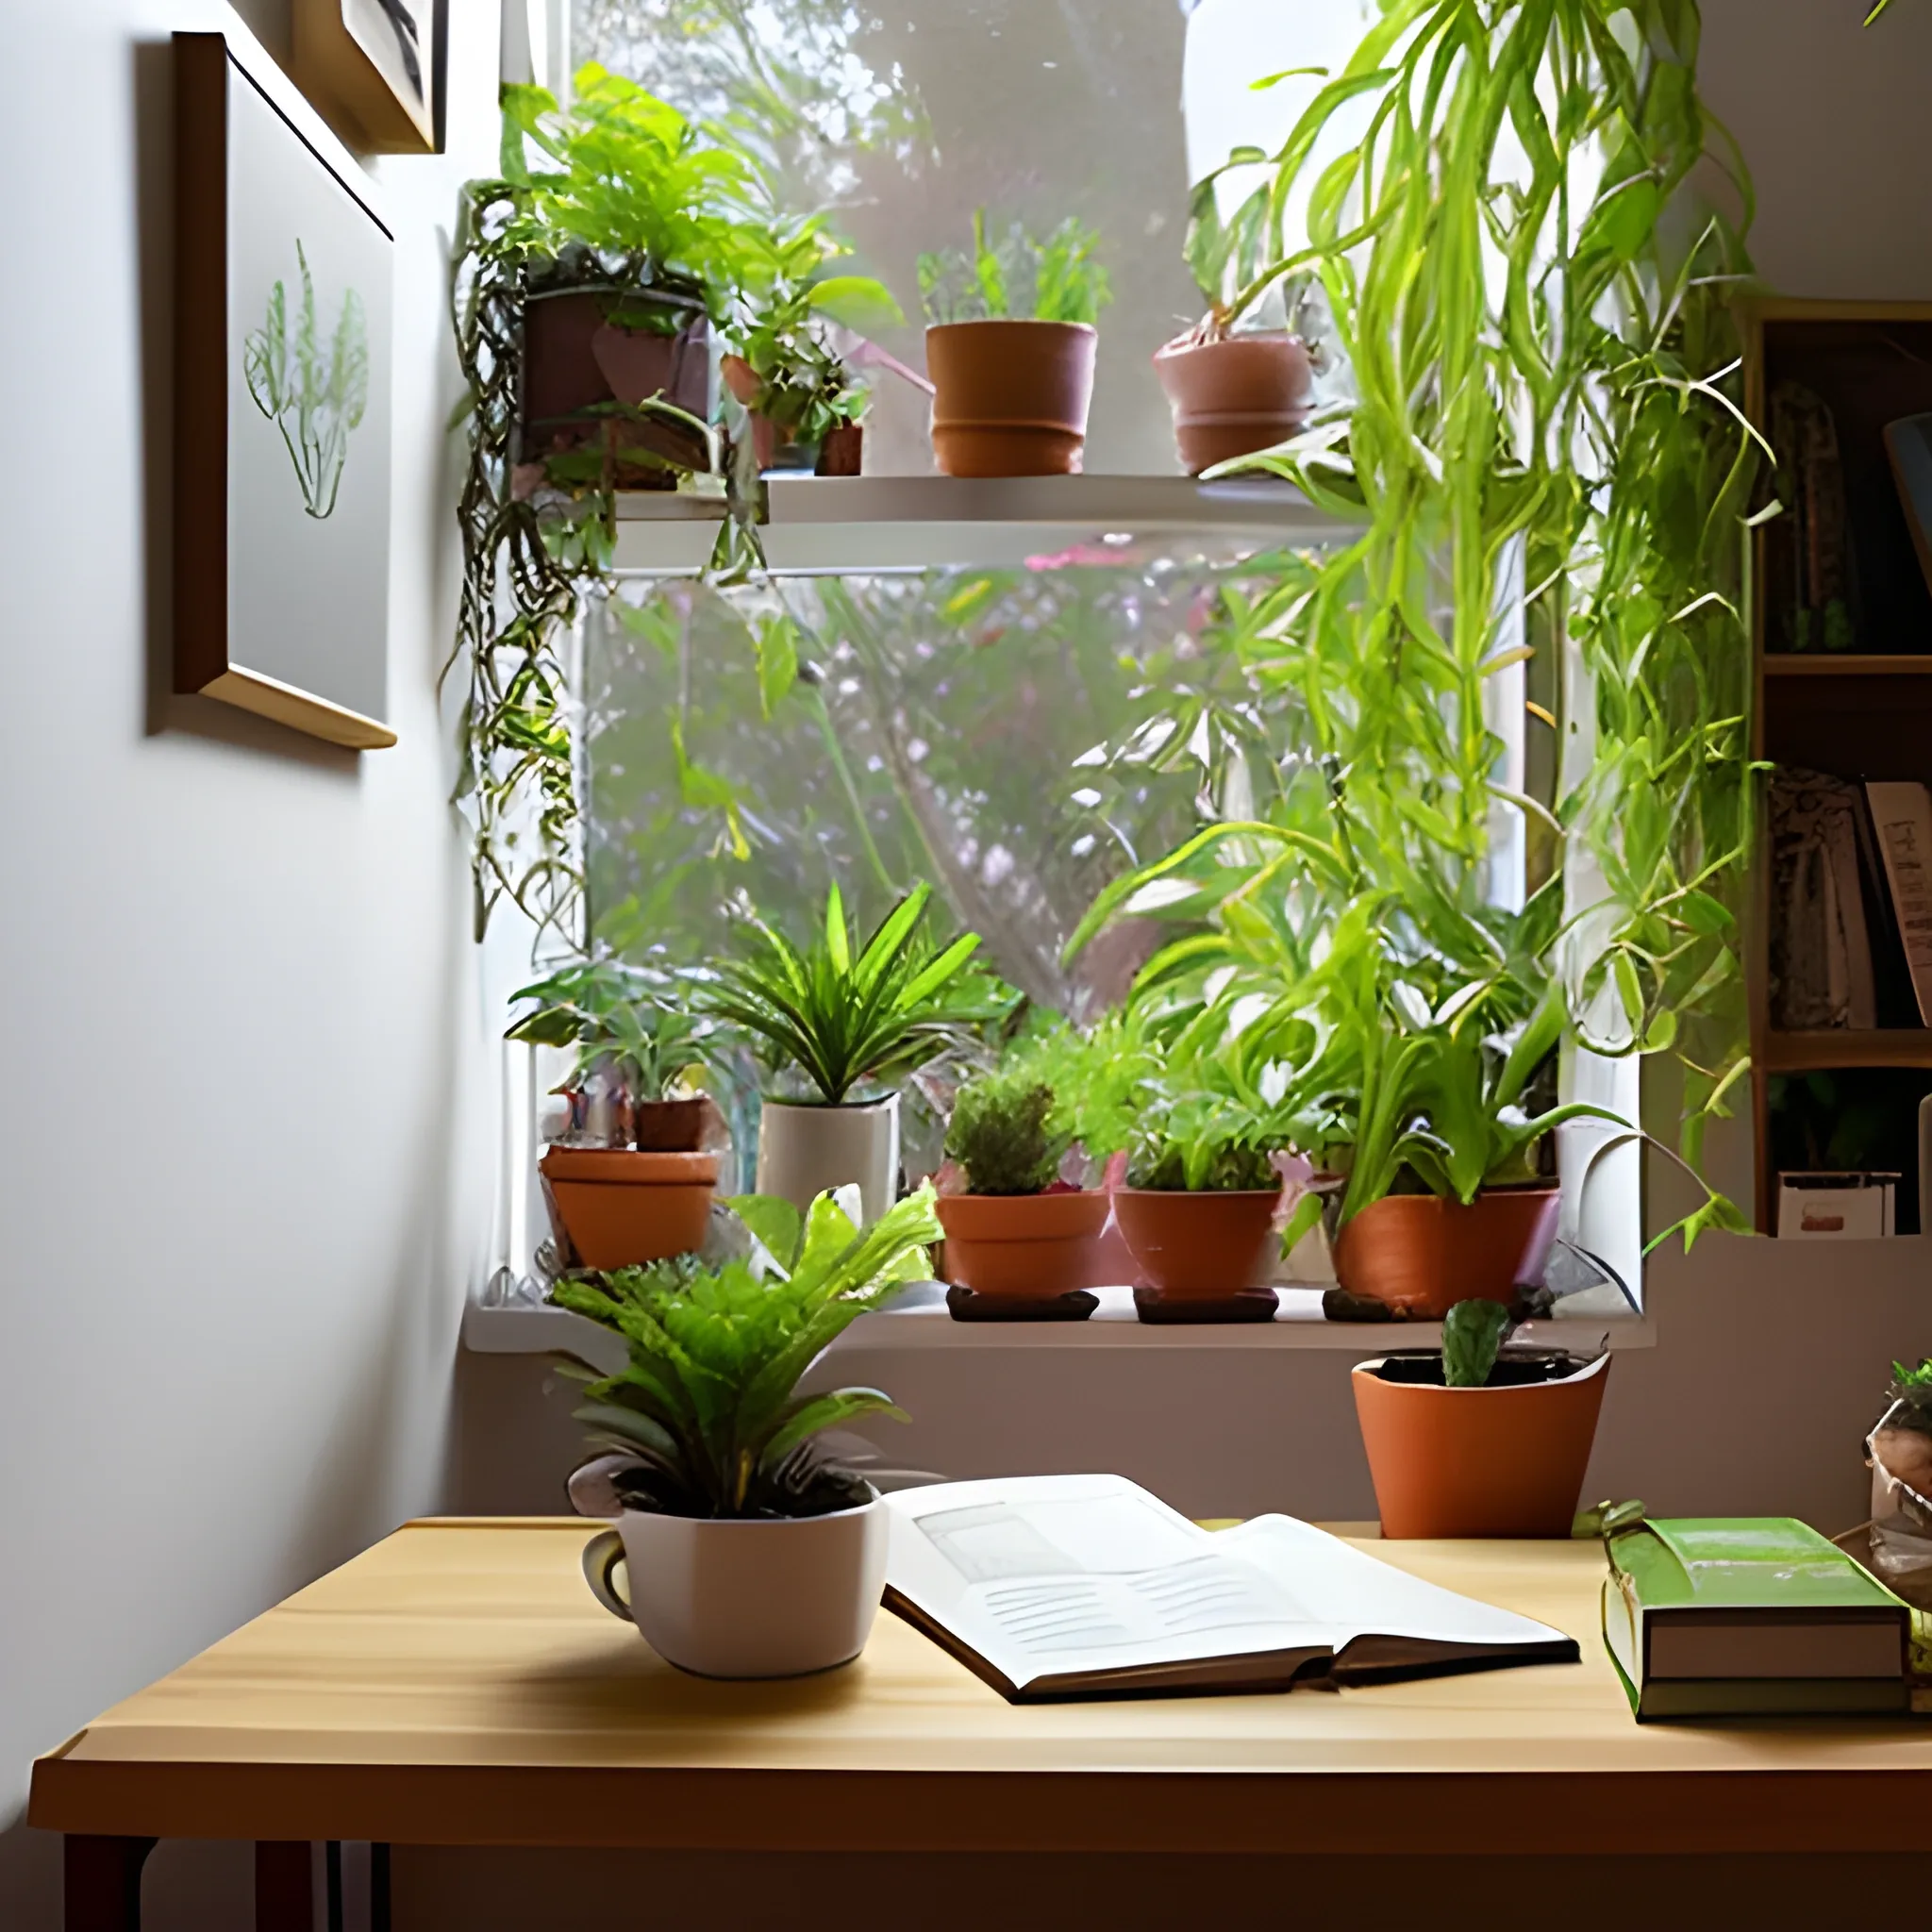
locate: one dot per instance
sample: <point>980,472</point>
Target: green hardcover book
<point>1715,1617</point>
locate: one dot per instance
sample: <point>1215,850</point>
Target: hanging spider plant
<point>1547,460</point>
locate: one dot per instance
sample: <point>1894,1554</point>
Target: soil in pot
<point>1011,397</point>
<point>1504,1460</point>
<point>1023,1246</point>
<point>1234,395</point>
<point>1420,1254</point>
<point>622,1209</point>
<point>1200,1247</point>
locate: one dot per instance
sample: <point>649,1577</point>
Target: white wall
<point>245,1176</point>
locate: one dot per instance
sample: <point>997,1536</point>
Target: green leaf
<point>1472,1334</point>
<point>857,302</point>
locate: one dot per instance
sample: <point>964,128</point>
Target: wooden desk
<point>455,1685</point>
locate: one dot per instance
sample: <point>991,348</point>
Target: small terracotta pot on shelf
<point>1010,398</point>
<point>1420,1254</point>
<point>1023,1246</point>
<point>1506,1460</point>
<point>1198,1247</point>
<point>1235,395</point>
<point>669,1126</point>
<point>622,1208</point>
<point>840,453</point>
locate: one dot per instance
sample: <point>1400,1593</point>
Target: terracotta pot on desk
<point>1506,1460</point>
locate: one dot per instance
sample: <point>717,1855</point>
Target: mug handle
<point>602,1555</point>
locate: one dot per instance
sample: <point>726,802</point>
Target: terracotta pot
<point>1421,1254</point>
<point>1011,397</point>
<point>1024,1245</point>
<point>1233,397</point>
<point>668,1126</point>
<point>1198,1247</point>
<point>583,349</point>
<point>842,453</point>
<point>622,1209</point>
<point>1478,1462</point>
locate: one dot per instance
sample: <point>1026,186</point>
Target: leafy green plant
<point>1472,1334</point>
<point>635,183</point>
<point>708,1403</point>
<point>1003,1134</point>
<point>1547,462</point>
<point>842,1013</point>
<point>1206,1144</point>
<point>1233,258</point>
<point>1055,280</point>
<point>634,1022</point>
<point>314,397</point>
<point>778,330</point>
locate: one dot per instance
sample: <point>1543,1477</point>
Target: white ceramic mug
<point>763,1598</point>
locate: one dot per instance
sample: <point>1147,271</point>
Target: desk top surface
<point>457,1684</point>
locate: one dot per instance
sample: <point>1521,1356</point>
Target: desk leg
<point>284,1886</point>
<point>102,1882</point>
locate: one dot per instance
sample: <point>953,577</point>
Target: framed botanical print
<point>283,272</point>
<point>375,69</point>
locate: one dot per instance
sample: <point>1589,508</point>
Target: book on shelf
<point>1902,816</point>
<point>1909,445</point>
<point>1712,1617</point>
<point>1065,1587</point>
<point>1824,869</point>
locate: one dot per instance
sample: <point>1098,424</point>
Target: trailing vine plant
<point>1548,466</point>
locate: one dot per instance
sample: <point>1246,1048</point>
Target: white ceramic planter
<point>757,1599</point>
<point>806,1151</point>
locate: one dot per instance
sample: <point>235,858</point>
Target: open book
<point>1086,1585</point>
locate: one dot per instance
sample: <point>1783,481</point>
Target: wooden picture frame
<point>375,69</point>
<point>282,372</point>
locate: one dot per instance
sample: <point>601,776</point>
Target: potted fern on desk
<point>842,1020</point>
<point>750,1553</point>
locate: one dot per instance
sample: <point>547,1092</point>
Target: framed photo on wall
<point>375,69</point>
<point>283,275</point>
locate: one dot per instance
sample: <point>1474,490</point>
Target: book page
<point>1358,1596</point>
<point>1066,1575</point>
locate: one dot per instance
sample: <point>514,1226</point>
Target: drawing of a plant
<point>315,398</point>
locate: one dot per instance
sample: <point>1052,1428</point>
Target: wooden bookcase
<point>1859,716</point>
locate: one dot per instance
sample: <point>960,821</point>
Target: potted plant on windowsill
<point>1241,380</point>
<point>804,401</point>
<point>632,1180</point>
<point>1466,1442</point>
<point>1014,1226</point>
<point>842,1019</point>
<point>1198,1208</point>
<point>749,1553</point>
<point>1010,347</point>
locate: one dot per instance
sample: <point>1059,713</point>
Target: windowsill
<point>919,1321</point>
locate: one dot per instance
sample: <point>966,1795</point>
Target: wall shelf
<point>824,525</point>
<point>1792,664</point>
<point>1839,1049</point>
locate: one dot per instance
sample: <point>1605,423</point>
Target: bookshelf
<point>1862,712</point>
